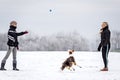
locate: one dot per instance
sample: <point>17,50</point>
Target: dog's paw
<point>73,69</point>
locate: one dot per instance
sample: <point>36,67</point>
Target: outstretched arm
<point>21,33</point>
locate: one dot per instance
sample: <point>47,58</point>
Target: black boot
<point>2,66</point>
<point>14,67</point>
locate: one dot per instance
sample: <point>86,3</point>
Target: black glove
<point>25,32</point>
<point>17,48</point>
<point>99,47</point>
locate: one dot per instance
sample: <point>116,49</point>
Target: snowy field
<point>46,66</point>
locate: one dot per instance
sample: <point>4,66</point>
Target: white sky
<point>83,16</point>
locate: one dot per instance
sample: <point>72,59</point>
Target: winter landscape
<point>53,27</point>
<point>45,65</point>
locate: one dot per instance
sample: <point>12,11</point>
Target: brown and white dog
<point>69,62</point>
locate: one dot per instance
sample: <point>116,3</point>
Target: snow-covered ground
<point>46,66</point>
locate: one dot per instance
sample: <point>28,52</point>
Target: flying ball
<point>50,10</point>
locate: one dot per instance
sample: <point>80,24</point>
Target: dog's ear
<point>73,50</point>
<point>70,52</point>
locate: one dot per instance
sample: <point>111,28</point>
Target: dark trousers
<point>105,51</point>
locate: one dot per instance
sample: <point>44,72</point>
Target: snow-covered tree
<point>115,40</point>
<point>56,42</point>
<point>3,41</point>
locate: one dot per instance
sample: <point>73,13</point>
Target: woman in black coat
<point>105,44</point>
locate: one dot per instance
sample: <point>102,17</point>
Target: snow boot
<point>104,69</point>
<point>2,66</point>
<point>14,67</point>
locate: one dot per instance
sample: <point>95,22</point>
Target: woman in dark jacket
<point>105,44</point>
<point>12,45</point>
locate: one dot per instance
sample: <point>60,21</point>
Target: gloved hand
<point>25,32</point>
<point>99,48</point>
<point>17,48</point>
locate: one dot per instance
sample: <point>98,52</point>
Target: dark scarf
<point>105,28</point>
<point>13,28</point>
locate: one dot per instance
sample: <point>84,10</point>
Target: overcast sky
<point>83,16</point>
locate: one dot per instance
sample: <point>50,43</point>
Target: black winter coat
<point>13,37</point>
<point>105,37</point>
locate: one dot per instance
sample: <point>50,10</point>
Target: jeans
<point>14,51</point>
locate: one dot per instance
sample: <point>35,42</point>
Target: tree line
<point>56,42</point>
<point>59,42</point>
